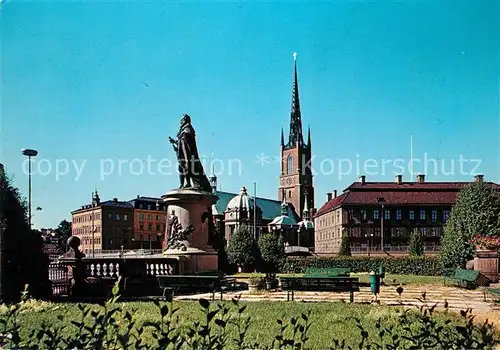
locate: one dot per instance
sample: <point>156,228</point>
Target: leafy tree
<point>416,243</point>
<point>63,231</point>
<point>23,261</point>
<point>272,252</point>
<point>345,245</point>
<point>242,249</point>
<point>477,211</point>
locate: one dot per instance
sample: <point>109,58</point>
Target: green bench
<point>469,279</point>
<point>309,283</point>
<point>327,272</point>
<point>495,292</point>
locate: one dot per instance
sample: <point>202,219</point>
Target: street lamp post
<point>381,200</point>
<point>254,210</point>
<point>29,153</point>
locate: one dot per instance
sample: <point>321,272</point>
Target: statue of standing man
<point>191,171</point>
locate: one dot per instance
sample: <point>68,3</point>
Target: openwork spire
<point>295,117</point>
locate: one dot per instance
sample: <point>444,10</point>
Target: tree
<point>272,252</point>
<point>477,211</point>
<point>345,245</point>
<point>22,259</point>
<point>242,249</point>
<point>63,231</point>
<point>416,243</point>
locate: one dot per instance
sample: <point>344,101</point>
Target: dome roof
<point>241,202</point>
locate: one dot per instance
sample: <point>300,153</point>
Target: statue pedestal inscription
<point>188,236</point>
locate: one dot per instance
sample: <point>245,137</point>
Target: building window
<point>141,206</point>
<point>141,238</point>
<point>150,217</point>
<point>387,214</point>
<point>376,214</point>
<point>125,217</point>
<point>422,214</point>
<point>363,214</point>
<point>289,164</point>
<point>157,228</point>
<point>157,217</point>
<point>141,227</point>
<point>150,227</point>
<point>110,215</point>
<point>141,216</point>
<point>118,217</point>
<point>446,215</point>
<point>398,214</point>
<point>411,214</point>
<point>376,231</point>
<point>289,194</point>
<point>434,215</point>
<point>149,206</point>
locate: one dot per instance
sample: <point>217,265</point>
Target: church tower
<point>296,180</point>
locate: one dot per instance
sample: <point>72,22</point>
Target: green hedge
<point>425,266</point>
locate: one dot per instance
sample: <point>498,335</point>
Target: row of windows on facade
<point>88,240</point>
<point>85,230</point>
<point>150,217</point>
<point>159,228</point>
<point>362,214</point>
<point>395,232</point>
<point>150,207</point>
<point>118,217</point>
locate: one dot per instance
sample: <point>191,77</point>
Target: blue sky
<point>110,80</point>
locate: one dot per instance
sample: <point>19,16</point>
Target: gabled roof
<point>406,193</point>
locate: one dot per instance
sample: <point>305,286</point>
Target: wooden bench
<point>469,279</point>
<point>309,283</point>
<point>171,284</point>
<point>326,272</point>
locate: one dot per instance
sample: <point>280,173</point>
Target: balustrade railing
<point>391,248</point>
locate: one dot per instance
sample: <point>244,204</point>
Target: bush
<point>242,249</point>
<point>272,252</point>
<point>425,266</point>
<point>416,243</point>
<point>345,245</point>
<point>477,211</point>
<point>110,327</point>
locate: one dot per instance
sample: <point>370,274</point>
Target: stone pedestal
<point>193,208</point>
<point>486,261</point>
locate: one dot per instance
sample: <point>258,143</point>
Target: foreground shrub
<point>226,325</point>
<point>424,266</point>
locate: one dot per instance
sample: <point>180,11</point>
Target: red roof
<point>406,193</point>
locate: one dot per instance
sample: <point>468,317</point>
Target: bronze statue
<point>191,171</point>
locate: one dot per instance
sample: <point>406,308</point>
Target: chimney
<point>420,178</point>
<point>398,179</point>
<point>362,179</point>
<point>329,196</point>
<point>334,193</point>
<point>479,178</point>
<point>138,196</point>
<point>115,200</point>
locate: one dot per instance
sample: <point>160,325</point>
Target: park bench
<point>171,284</point>
<point>469,279</point>
<point>495,292</point>
<point>310,283</point>
<point>326,272</point>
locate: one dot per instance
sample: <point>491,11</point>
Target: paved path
<point>457,298</point>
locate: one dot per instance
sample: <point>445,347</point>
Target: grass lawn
<point>328,319</point>
<point>390,279</point>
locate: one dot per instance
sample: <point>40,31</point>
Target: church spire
<point>282,138</point>
<point>295,117</point>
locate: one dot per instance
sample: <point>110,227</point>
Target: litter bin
<point>374,283</point>
<point>168,294</point>
<point>381,271</point>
